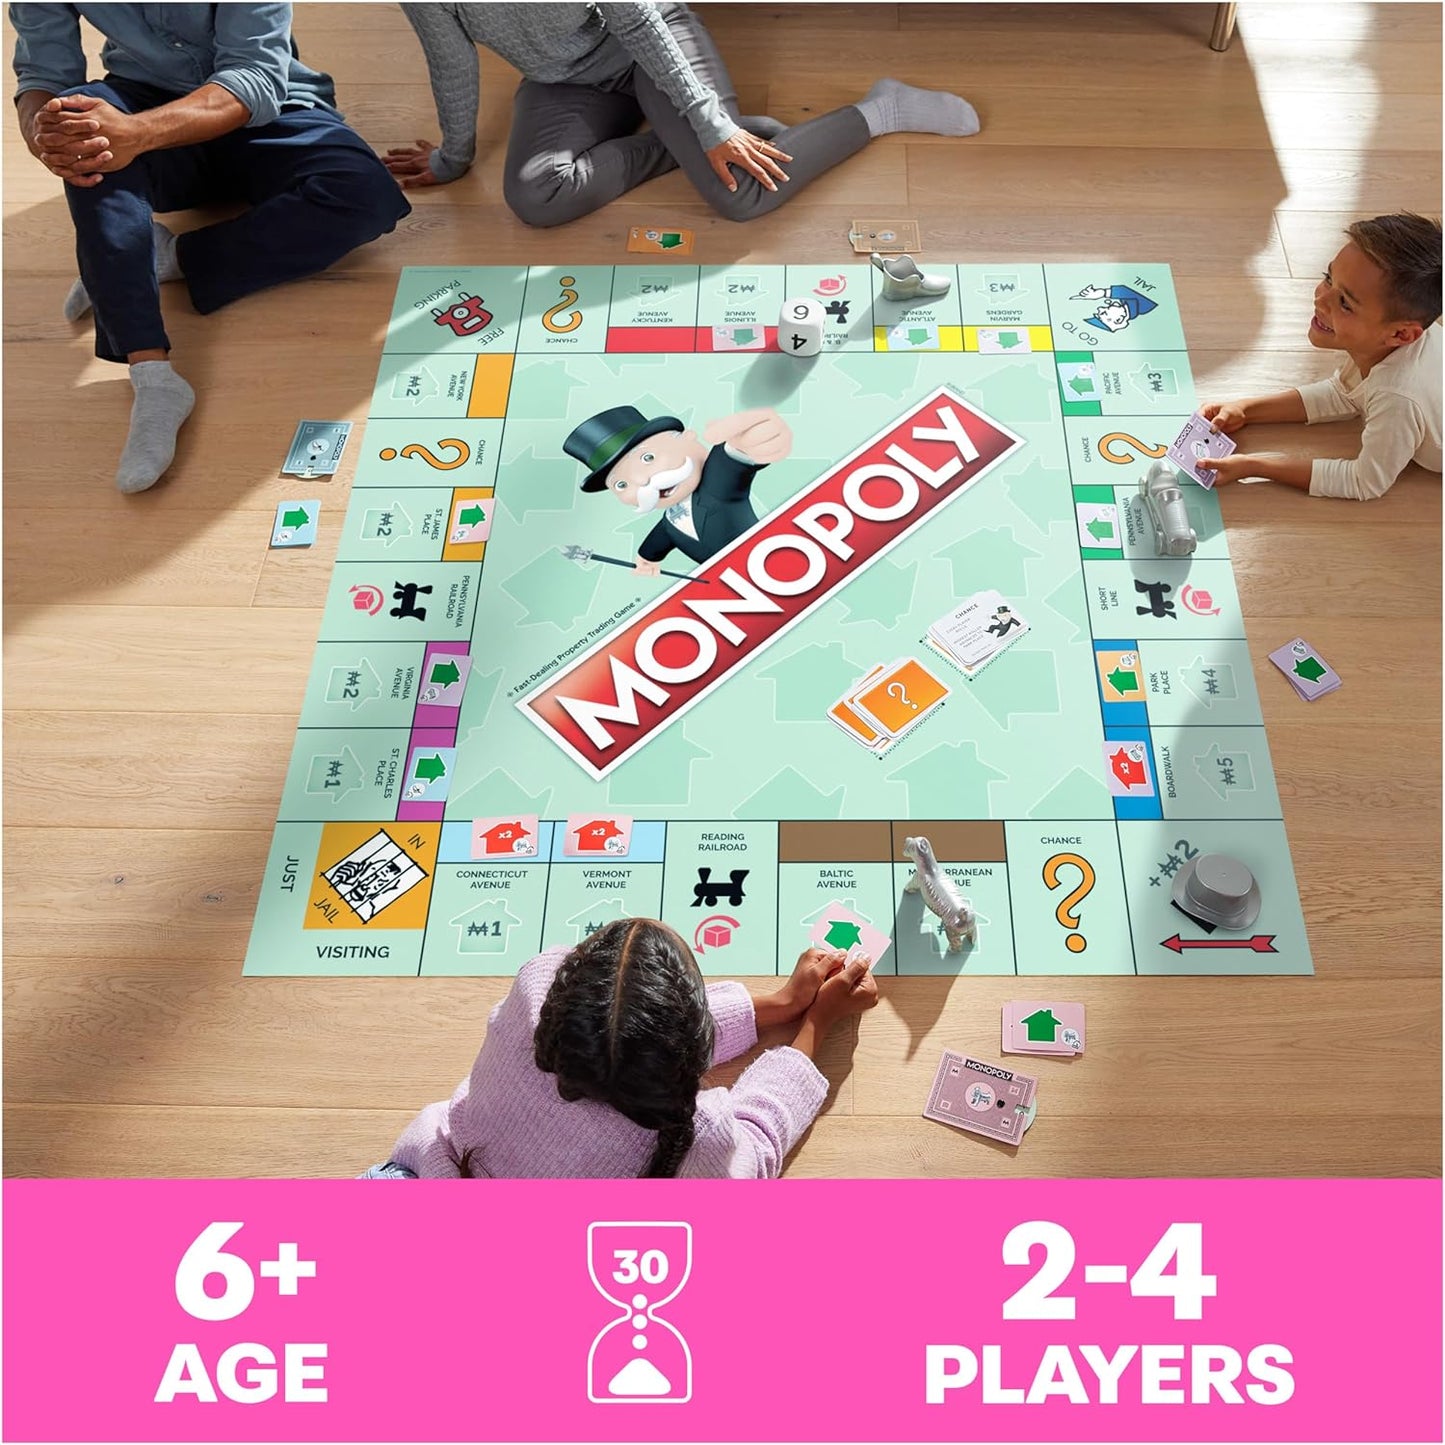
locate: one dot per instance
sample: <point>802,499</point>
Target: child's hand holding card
<point>1197,439</point>
<point>839,927</point>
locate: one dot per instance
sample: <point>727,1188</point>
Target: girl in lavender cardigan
<point>592,1067</point>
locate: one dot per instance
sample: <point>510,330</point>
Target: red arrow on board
<point>1260,943</point>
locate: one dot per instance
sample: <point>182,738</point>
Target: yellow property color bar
<point>1041,338</point>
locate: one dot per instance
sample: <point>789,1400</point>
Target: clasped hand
<point>826,979</point>
<point>82,138</point>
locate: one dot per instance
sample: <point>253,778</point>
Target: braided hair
<point>626,1022</point>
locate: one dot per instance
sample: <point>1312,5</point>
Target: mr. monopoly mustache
<point>650,495</point>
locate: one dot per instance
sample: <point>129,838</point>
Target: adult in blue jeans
<point>199,104</point>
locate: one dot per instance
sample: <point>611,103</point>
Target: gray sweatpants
<point>574,148</point>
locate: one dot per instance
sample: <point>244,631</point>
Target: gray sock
<point>163,400</point>
<point>892,106</point>
<point>762,126</point>
<point>77,300</point>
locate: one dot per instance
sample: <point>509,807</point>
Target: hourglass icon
<point>639,1359</point>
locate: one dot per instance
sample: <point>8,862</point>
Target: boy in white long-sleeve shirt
<point>1378,303</point>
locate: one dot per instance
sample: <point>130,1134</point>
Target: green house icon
<point>1042,1026</point>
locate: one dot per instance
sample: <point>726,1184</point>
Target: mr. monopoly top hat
<point>600,440</point>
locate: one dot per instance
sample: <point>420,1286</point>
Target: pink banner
<point>622,1310</point>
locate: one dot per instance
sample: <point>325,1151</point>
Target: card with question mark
<point>900,697</point>
<point>845,714</point>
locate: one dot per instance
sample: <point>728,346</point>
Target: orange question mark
<point>390,454</point>
<point>1106,448</point>
<point>569,298</point>
<point>1067,912</point>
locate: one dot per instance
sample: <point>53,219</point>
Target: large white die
<point>800,327</point>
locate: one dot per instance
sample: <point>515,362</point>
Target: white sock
<point>77,300</point>
<point>163,400</point>
<point>892,106</point>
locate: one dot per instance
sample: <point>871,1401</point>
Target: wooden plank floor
<point>156,651</point>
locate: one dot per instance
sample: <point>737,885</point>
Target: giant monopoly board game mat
<point>903,587</point>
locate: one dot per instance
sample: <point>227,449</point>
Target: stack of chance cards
<point>982,1098</point>
<point>1309,674</point>
<point>1043,1028</point>
<point>888,702</point>
<point>1199,439</point>
<point>976,631</point>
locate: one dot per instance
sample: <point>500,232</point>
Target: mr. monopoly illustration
<point>1121,304</point>
<point>703,485</point>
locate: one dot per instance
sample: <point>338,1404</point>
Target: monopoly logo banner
<point>605,705</point>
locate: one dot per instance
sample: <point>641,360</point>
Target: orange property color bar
<point>491,385</point>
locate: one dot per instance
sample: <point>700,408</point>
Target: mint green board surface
<point>452,601</point>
